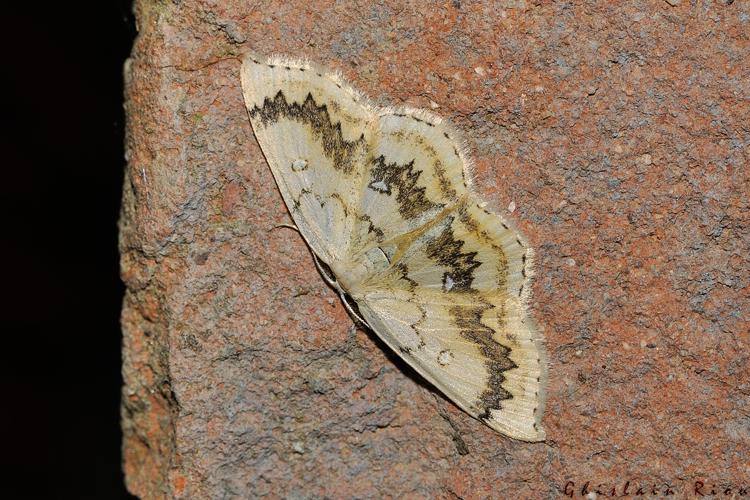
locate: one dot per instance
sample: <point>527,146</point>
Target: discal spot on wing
<point>299,164</point>
<point>448,282</point>
<point>444,357</point>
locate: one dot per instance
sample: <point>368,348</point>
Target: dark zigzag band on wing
<point>445,249</point>
<point>469,319</point>
<point>411,199</point>
<point>342,153</point>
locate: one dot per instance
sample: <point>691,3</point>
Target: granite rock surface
<point>616,135</point>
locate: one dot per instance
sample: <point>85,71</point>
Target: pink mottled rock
<point>619,133</point>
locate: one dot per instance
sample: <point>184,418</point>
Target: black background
<point>62,158</point>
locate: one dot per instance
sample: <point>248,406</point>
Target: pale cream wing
<point>415,171</point>
<point>315,133</point>
<point>453,304</point>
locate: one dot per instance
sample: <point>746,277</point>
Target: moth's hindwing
<point>383,198</point>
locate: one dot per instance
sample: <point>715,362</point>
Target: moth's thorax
<point>351,273</point>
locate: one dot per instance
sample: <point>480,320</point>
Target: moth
<point>383,197</point>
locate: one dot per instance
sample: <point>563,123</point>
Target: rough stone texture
<point>620,133</point>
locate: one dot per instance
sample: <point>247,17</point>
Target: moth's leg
<point>461,447</point>
<point>352,308</point>
<point>328,276</point>
<point>288,226</point>
<point>325,272</point>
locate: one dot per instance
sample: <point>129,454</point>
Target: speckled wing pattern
<point>382,196</point>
